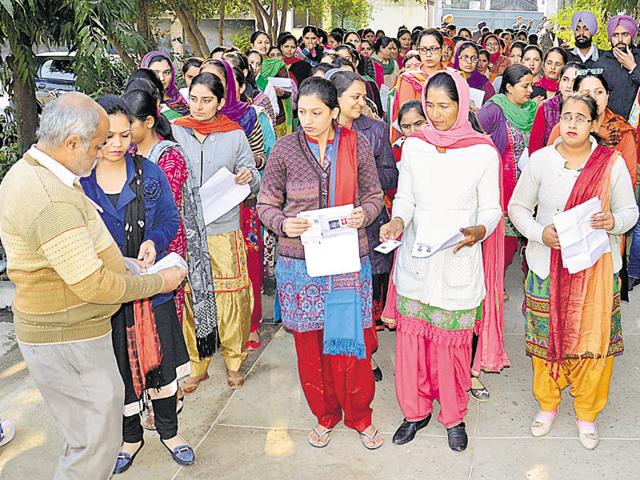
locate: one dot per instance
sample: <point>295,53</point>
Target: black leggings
<point>166,418</point>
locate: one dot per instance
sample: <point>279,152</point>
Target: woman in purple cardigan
<point>466,60</point>
<point>319,166</point>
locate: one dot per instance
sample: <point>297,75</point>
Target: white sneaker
<point>587,434</point>
<point>542,423</point>
<point>7,432</point>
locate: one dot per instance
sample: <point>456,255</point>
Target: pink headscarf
<point>625,21</point>
<point>461,134</point>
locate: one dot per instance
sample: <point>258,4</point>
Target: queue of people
<point>487,134</point>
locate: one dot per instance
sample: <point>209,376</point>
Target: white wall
<point>388,15</point>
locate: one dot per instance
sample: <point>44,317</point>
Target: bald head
<point>72,130</point>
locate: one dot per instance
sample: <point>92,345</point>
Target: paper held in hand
<point>581,246</point>
<point>220,194</point>
<point>426,249</point>
<point>171,260</point>
<point>330,245</point>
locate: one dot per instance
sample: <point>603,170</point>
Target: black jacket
<point>575,58</point>
<point>622,83</point>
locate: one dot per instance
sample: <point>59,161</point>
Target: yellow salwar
<point>234,302</point>
<point>589,379</point>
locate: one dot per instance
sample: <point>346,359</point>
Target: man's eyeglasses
<point>577,118</point>
<point>589,71</point>
<point>431,50</point>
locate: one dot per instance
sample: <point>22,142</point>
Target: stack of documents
<point>581,246</point>
<point>330,245</point>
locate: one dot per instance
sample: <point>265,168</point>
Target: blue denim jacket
<point>161,214</point>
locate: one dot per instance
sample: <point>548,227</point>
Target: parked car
<point>54,75</point>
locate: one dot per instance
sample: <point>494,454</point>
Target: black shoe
<point>407,431</point>
<point>457,438</point>
<point>377,374</point>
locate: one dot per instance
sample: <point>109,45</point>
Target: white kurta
<point>442,192</point>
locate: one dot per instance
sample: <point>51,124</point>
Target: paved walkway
<point>259,432</point>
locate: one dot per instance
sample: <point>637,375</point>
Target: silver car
<point>54,75</point>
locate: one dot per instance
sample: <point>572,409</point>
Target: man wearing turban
<point>620,66</point>
<point>585,26</point>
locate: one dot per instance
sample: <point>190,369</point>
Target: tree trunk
<point>223,4</point>
<point>283,18</point>
<point>24,96</point>
<point>144,25</point>
<point>127,59</point>
<point>191,37</point>
<point>197,32</point>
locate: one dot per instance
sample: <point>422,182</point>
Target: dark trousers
<point>166,418</point>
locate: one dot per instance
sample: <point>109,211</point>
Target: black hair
<point>141,106</point>
<point>149,76</point>
<point>350,32</point>
<point>570,65</point>
<point>322,88</point>
<point>366,31</point>
<point>587,100</point>
<point>512,75</point>
<point>528,48</point>
<point>324,67</point>
<point>274,47</point>
<point>309,29</point>
<point>533,39</point>
<point>363,41</point>
<point>191,62</point>
<point>382,42</point>
<point>146,86</point>
<point>337,36</point>
<point>284,38</point>
<point>212,82</point>
<point>114,105</point>
<point>445,82</point>
<point>450,27</point>
<point>459,38</point>
<point>254,36</point>
<point>466,30</point>
<point>408,106</point>
<point>431,32</point>
<point>396,42</point>
<point>402,31</point>
<point>378,32</point>
<point>519,45</point>
<point>498,31</point>
<point>408,56</point>
<point>417,28</point>
<point>343,62</point>
<point>219,66</point>
<point>217,50</point>
<point>323,36</point>
<point>469,44</point>
<point>561,51</point>
<point>599,77</point>
<point>482,51</point>
<point>240,60</point>
<point>343,80</point>
<point>338,30</point>
<point>158,58</point>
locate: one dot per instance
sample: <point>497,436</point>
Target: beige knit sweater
<point>70,276</point>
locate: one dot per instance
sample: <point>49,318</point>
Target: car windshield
<point>57,69</point>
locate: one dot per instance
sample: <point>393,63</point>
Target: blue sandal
<point>125,460</point>
<point>182,455</point>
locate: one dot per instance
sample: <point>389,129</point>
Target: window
<point>57,69</point>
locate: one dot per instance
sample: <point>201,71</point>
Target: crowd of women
<point>430,132</point>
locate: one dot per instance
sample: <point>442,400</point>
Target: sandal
<point>481,394</point>
<point>365,438</point>
<point>234,379</point>
<point>320,443</point>
<point>190,385</point>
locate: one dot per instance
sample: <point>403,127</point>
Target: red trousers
<point>334,384</point>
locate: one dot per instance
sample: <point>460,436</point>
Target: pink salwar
<point>432,364</point>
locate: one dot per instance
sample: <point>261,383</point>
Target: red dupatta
<point>345,179</point>
<point>580,304</point>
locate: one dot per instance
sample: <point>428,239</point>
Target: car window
<point>57,69</point>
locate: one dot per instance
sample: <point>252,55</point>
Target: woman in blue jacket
<point>136,204</point>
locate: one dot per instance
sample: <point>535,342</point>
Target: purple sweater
<point>295,182</point>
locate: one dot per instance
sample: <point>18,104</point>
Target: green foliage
<point>631,7</point>
<point>241,39</point>
<point>9,152</point>
<point>597,7</point>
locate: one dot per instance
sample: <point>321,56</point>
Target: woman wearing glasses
<point>498,61</point>
<point>466,60</point>
<point>410,83</point>
<point>573,320</point>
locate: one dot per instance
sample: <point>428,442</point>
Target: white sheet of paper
<point>581,246</point>
<point>440,233</point>
<point>281,83</point>
<point>476,96</point>
<point>422,249</point>
<point>388,246</point>
<point>220,194</point>
<point>171,260</point>
<point>330,247</point>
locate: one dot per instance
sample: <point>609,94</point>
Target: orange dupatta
<point>222,123</point>
<point>580,304</point>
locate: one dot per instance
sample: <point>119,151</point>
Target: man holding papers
<point>220,155</point>
<point>573,290</point>
<point>321,183</point>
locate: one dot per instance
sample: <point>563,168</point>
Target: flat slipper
<point>190,385</point>
<point>365,436</point>
<point>320,435</point>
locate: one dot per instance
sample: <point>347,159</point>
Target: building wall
<point>389,15</point>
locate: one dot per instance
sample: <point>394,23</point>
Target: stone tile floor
<point>259,432</point>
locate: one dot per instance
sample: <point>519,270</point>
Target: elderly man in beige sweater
<point>70,278</point>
